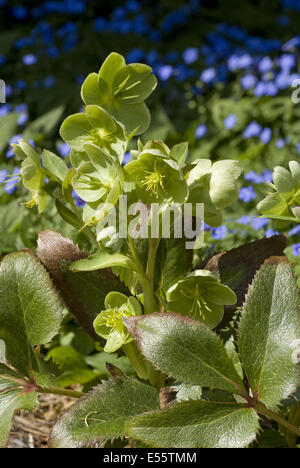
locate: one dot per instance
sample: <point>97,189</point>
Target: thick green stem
<point>136,258</point>
<point>61,391</point>
<point>136,359</point>
<point>262,409</point>
<point>148,288</point>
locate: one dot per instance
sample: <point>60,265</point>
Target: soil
<point>31,430</point>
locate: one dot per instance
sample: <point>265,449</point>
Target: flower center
<point>153,181</point>
<point>101,137</point>
<point>114,319</point>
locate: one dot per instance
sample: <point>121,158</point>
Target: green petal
<point>134,83</point>
<point>135,116</point>
<point>115,299</point>
<point>111,66</point>
<point>90,90</point>
<point>114,342</point>
<point>223,188</point>
<point>221,295</point>
<point>283,180</point>
<point>99,118</point>
<point>75,131</point>
<point>103,163</point>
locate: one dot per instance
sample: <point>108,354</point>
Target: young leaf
<point>55,165</point>
<point>186,350</point>
<point>30,309</point>
<point>12,398</point>
<point>196,424</point>
<point>101,415</point>
<point>102,260</point>
<point>269,327</point>
<point>83,292</point>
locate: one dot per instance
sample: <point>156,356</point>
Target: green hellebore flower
<point>98,182</point>
<point>122,89</point>
<point>201,296</point>
<point>157,179</point>
<point>214,185</point>
<point>109,323</point>
<point>95,126</point>
<point>285,198</point>
<point>32,174</point>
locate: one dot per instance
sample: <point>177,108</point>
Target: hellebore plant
<point>142,296</point>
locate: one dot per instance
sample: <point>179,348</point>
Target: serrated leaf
<point>12,398</point>
<point>30,309</point>
<point>186,350</point>
<point>84,292</point>
<point>196,424</point>
<point>237,267</point>
<point>101,415</point>
<point>268,330</point>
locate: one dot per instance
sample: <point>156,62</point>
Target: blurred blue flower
<point>219,232</point>
<point>12,182</point>
<point>164,72</point>
<point>135,55</point>
<point>208,75</point>
<point>280,143</point>
<point>269,233</point>
<point>230,121</point>
<point>2,60</point>
<point>126,158</point>
<point>190,55</point>
<point>247,194</point>
<point>286,62</point>
<point>294,230</point>
<point>201,131</point>
<point>29,59</point>
<point>5,109</point>
<point>3,175</point>
<point>253,177</point>
<point>248,81</point>
<point>78,201</point>
<point>296,249</point>
<point>265,65</point>
<point>100,24</point>
<point>244,220</point>
<point>266,176</point>
<point>19,12</point>
<point>49,81</point>
<point>252,130</point>
<point>266,135</point>
<point>63,149</point>
<point>259,223</point>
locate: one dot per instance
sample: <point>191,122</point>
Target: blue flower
<point>64,149</point>
<point>29,59</point>
<point>286,62</point>
<point>219,232</point>
<point>126,158</point>
<point>296,249</point>
<point>12,183</point>
<point>4,109</point>
<point>266,135</point>
<point>252,130</point>
<point>100,24</point>
<point>208,75</point>
<point>49,81</point>
<point>269,233</point>
<point>294,230</point>
<point>3,175</point>
<point>244,220</point>
<point>259,223</point>
<point>266,176</point>
<point>265,65</point>
<point>230,121</point>
<point>19,12</point>
<point>280,143</point>
<point>2,60</point>
<point>164,72</point>
<point>247,194</point>
<point>201,131</point>
<point>190,55</point>
<point>253,177</point>
<point>135,55</point>
<point>77,199</point>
